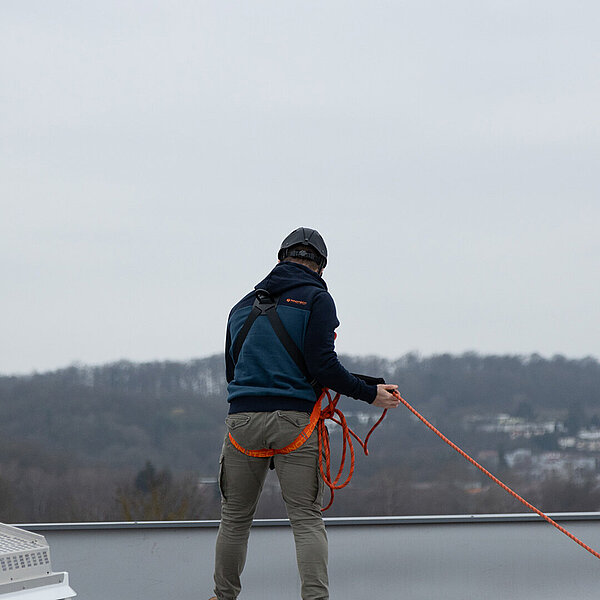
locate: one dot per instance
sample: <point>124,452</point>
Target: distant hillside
<point>120,414</point>
<point>172,412</point>
<point>89,430</point>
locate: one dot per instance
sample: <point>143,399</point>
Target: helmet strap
<point>305,254</point>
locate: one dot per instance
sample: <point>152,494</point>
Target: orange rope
<point>493,478</point>
<point>334,414</point>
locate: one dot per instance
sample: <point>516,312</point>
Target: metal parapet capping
<point>454,557</point>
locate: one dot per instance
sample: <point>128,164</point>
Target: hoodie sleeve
<point>229,366</point>
<point>321,357</point>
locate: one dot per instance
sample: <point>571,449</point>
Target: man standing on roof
<point>275,369</point>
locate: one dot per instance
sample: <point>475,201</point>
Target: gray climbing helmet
<point>304,236</point>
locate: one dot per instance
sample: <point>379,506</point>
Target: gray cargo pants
<point>241,480</point>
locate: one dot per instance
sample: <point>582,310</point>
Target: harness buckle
<point>264,301</point>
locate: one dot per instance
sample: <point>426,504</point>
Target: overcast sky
<point>155,154</point>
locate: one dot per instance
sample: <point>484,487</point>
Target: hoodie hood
<point>288,275</point>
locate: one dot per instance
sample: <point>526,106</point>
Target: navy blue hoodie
<point>265,377</point>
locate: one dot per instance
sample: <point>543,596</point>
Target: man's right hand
<point>384,399</point>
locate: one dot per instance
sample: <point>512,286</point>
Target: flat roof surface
<point>401,558</point>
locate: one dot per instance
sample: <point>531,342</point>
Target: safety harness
<point>266,305</point>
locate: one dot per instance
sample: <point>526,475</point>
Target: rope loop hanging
<point>333,413</point>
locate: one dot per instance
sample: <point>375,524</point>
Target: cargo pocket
<point>222,478</point>
<point>236,421</point>
<point>296,418</point>
<point>320,487</point>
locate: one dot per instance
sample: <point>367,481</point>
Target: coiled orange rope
<point>317,420</point>
<point>334,414</point>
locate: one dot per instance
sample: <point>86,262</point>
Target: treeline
<point>120,414</point>
<point>74,442</point>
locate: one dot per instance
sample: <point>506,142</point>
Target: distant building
<point>567,442</point>
<point>519,459</point>
<point>550,464</point>
<point>515,427</point>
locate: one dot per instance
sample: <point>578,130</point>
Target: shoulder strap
<point>265,304</point>
<point>241,336</point>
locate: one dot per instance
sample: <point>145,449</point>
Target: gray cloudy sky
<point>154,155</point>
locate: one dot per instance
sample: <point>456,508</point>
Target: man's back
<point>264,376</point>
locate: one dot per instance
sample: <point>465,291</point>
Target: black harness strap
<point>265,304</point>
<point>241,337</point>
